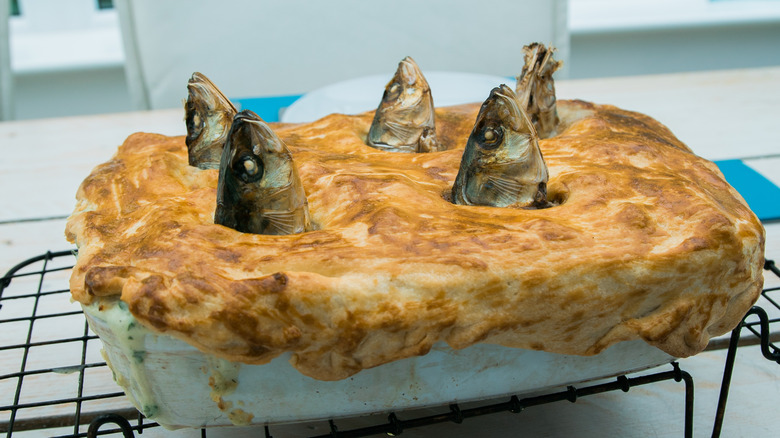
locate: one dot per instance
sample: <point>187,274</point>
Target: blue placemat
<point>266,107</point>
<point>762,195</point>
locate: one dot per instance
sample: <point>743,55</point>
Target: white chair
<point>274,48</point>
<point>6,75</point>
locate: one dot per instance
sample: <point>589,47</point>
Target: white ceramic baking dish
<point>177,385</point>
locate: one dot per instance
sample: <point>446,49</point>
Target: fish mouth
<point>408,78</point>
<point>245,116</point>
<point>410,73</point>
<point>260,134</point>
<point>243,137</point>
<point>501,107</point>
<point>207,94</point>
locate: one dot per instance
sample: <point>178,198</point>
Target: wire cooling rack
<point>78,398</point>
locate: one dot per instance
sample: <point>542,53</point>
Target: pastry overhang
<point>648,241</point>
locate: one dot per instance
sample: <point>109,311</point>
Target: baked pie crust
<point>648,241</point>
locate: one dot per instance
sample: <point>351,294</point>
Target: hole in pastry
<point>447,194</point>
<point>555,201</point>
<point>555,198</point>
<point>556,195</point>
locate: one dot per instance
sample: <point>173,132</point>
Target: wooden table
<point>720,115</point>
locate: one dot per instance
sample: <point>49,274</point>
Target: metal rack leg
<point>726,383</point>
<point>688,380</point>
<point>731,356</point>
<point>688,405</point>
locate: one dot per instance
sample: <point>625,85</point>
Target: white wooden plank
<point>720,115</point>
<point>772,252</point>
<point>23,240</point>
<point>44,161</point>
<point>768,167</point>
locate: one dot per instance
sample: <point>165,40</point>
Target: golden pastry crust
<point>648,241</point>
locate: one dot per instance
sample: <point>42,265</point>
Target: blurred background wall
<point>67,57</point>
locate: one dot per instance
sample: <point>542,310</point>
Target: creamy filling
<point>126,344</point>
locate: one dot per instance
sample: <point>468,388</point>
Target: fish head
<point>536,88</point>
<point>258,181</point>
<point>546,84</point>
<point>526,80</point>
<point>404,113</point>
<point>208,115</point>
<point>502,164</point>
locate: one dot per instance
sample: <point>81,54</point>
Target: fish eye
<point>490,137</point>
<point>251,167</point>
<point>248,168</point>
<point>393,91</point>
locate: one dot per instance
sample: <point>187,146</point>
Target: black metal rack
<point>36,289</point>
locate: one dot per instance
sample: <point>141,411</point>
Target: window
<point>51,35</point>
<point>101,4</point>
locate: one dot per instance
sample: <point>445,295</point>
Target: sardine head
<point>259,190</point>
<point>526,80</point>
<point>502,164</point>
<point>546,99</point>
<point>208,115</point>
<point>404,113</point>
<point>535,88</point>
